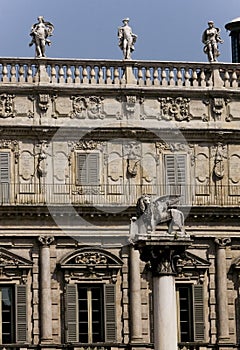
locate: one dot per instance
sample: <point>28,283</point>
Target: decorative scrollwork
<point>177,108</point>
<point>91,258</point>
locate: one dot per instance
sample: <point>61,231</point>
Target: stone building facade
<point>80,142</point>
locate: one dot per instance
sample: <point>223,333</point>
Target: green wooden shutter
<point>198,313</point>
<point>93,168</point>
<point>4,176</point>
<point>176,179</point>
<point>21,313</point>
<point>110,313</point>
<point>170,169</point>
<point>87,169</point>
<point>71,313</point>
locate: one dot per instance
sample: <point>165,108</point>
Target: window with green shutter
<point>13,314</point>
<point>90,313</point>
<point>176,175</point>
<point>4,177</point>
<point>87,169</point>
<point>190,313</point>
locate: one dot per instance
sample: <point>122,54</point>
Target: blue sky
<point>168,30</point>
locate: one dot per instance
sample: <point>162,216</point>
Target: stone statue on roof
<point>126,39</point>
<point>40,32</point>
<point>211,38</point>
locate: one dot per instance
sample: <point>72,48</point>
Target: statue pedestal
<point>163,253</point>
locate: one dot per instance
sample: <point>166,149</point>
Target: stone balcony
<point>105,93</point>
<point>108,73</point>
<point>116,195</point>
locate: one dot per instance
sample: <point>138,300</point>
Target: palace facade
<point>80,142</point>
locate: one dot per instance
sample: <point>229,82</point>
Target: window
<point>4,176</point>
<point>13,323</point>
<point>190,313</point>
<point>90,312</point>
<point>175,172</point>
<point>87,169</point>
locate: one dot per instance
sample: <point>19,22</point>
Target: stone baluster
<point>61,75</point>
<point>148,77</point>
<point>93,75</point>
<point>226,79</point>
<point>77,75</point>
<point>85,75</point>
<point>100,75</point>
<point>203,78</point>
<point>45,289</point>
<point>221,289</point>
<point>171,77</point>
<point>194,78</point>
<point>234,79</point>
<point>5,73</point>
<point>140,77</point>
<point>164,77</point>
<point>69,75</point>
<point>108,76</point>
<point>13,77</point>
<point>29,74</point>
<point>135,297</point>
<point>53,74</point>
<point>179,77</point>
<point>187,78</point>
<point>156,80</point>
<point>116,76</point>
<point>21,74</point>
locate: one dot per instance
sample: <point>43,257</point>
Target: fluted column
<point>45,289</point>
<point>221,289</point>
<point>135,297</point>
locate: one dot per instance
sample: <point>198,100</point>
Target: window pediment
<point>11,260</point>
<point>90,257</point>
<point>90,263</point>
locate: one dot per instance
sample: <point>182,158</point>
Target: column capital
<point>163,255</point>
<point>46,240</point>
<point>222,242</point>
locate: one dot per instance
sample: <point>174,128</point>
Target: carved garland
<point>175,108</point>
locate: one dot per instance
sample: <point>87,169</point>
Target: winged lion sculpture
<point>160,211</point>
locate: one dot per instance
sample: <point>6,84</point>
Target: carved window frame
<point>91,267</point>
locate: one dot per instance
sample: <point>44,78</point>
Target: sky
<point>168,30</point>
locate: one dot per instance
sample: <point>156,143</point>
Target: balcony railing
<point>155,74</point>
<point>115,195</point>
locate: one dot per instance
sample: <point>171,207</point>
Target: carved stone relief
<point>202,170</point>
<point>87,107</point>
<point>174,108</point>
<point>7,108</point>
<point>26,165</point>
<point>234,170</point>
<point>234,111</point>
<point>220,155</point>
<point>132,153</point>
<point>43,102</point>
<point>131,104</point>
<point>24,106</point>
<point>60,167</point>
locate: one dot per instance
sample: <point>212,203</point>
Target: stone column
<point>135,297</point>
<point>163,254</point>
<point>221,289</point>
<point>45,290</point>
